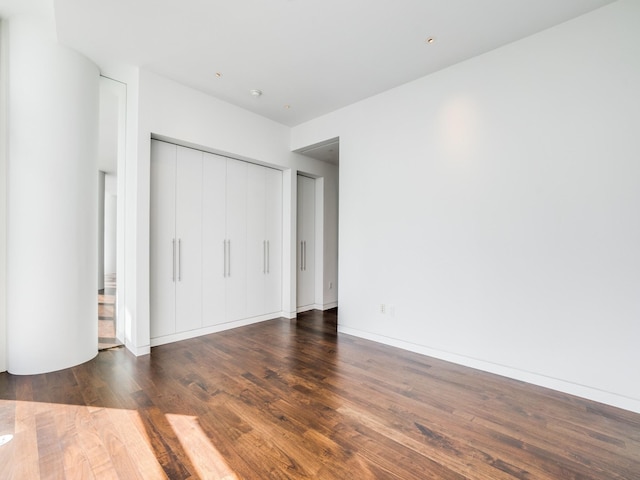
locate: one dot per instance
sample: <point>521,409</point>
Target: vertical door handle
<point>264,257</point>
<point>229,256</point>
<point>301,255</point>
<point>305,255</point>
<point>224,258</point>
<point>268,255</point>
<point>179,260</point>
<point>173,262</point>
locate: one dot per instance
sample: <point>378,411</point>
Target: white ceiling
<point>314,55</point>
<point>327,151</point>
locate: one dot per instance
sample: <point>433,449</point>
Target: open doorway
<point>107,314</point>
<point>110,156</point>
<point>317,230</point>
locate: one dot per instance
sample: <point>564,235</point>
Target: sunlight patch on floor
<point>204,457</point>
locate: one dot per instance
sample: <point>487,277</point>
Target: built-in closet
<point>216,241</point>
<point>306,224</point>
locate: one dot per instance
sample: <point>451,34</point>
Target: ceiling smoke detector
<point>255,93</point>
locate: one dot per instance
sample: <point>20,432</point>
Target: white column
<point>52,198</point>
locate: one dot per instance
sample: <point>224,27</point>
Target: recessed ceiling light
<point>287,106</point>
<point>218,74</point>
<point>255,92</point>
<point>430,40</point>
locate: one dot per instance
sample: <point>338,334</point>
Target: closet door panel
<point>214,172</point>
<point>189,238</point>
<point>256,240</point>
<point>273,234</point>
<point>305,244</point>
<point>162,279</point>
<point>236,227</point>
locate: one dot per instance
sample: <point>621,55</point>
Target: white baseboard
<point>176,337</point>
<point>583,391</point>
<point>138,351</point>
<point>306,308</point>
<point>317,306</point>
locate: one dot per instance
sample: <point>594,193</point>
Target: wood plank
<point>26,459</point>
<point>75,461</point>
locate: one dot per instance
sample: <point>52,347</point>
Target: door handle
<point>264,257</point>
<point>229,256</point>
<point>179,260</point>
<point>224,258</point>
<point>301,256</point>
<point>173,262</point>
<point>268,255</point>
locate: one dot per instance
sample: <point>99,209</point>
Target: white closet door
<point>162,279</point>
<point>214,248</point>
<point>189,239</point>
<point>256,240</point>
<point>236,215</point>
<point>306,244</point>
<point>273,234</point>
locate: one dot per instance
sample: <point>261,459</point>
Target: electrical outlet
<point>383,308</point>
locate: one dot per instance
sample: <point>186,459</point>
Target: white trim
<point>315,306</point>
<point>583,391</point>
<point>4,159</point>
<point>176,337</point>
<point>138,351</point>
<point>306,308</point>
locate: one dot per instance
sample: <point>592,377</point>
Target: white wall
<point>495,206</point>
<point>330,240</point>
<point>172,111</point>
<point>4,50</point>
<point>110,224</point>
<point>52,202</point>
<point>101,229</point>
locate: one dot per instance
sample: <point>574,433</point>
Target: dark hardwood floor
<point>292,399</point>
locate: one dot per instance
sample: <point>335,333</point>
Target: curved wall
<point>52,202</point>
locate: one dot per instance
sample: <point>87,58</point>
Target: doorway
<point>111,151</point>
<point>107,314</point>
<point>317,229</point>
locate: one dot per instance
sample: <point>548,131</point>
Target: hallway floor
<point>106,314</point>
